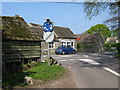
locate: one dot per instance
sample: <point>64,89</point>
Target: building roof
<point>111,40</point>
<point>60,32</point>
<point>63,32</point>
<point>15,28</point>
<point>37,32</point>
<point>88,37</point>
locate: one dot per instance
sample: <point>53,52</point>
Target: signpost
<point>48,26</point>
<point>48,35</point>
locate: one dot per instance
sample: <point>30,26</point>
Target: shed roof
<point>88,37</point>
<point>15,28</point>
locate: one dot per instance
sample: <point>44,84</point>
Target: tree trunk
<point>118,47</point>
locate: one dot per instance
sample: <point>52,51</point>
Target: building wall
<point>90,43</point>
<point>90,47</point>
<point>13,50</point>
<point>44,45</point>
<point>16,53</point>
<point>68,42</point>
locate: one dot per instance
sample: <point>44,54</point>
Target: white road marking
<point>62,60</point>
<point>86,68</point>
<point>86,55</point>
<point>108,69</point>
<point>65,56</point>
<point>89,61</point>
<point>110,56</point>
<point>69,67</point>
<point>72,59</point>
<point>95,54</point>
<point>56,57</point>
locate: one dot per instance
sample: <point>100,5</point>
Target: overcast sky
<point>69,15</point>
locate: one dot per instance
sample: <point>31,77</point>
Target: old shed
<point>19,44</point>
<point>90,43</point>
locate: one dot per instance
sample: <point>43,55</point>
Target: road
<point>91,70</point>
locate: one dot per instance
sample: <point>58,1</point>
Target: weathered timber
<point>19,44</point>
<point>21,51</point>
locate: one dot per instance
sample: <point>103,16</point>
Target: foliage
<point>117,56</point>
<point>111,47</point>
<point>114,33</point>
<point>101,29</point>
<point>41,71</point>
<point>95,8</point>
<point>78,45</point>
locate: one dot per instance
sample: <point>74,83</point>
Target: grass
<point>45,72</point>
<point>42,71</point>
<point>117,55</point>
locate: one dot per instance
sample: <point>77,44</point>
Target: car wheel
<point>63,52</point>
<point>73,52</point>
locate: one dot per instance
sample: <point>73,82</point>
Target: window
<point>63,43</point>
<point>67,44</point>
<point>72,44</point>
<point>51,44</point>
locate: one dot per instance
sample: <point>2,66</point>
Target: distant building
<point>89,43</point>
<point>63,36</point>
<point>111,44</point>
<point>111,40</point>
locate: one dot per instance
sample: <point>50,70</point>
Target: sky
<point>69,15</point>
<point>58,0</point>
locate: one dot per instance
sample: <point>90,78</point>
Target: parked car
<point>64,50</point>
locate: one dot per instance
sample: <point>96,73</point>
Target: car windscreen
<point>61,47</point>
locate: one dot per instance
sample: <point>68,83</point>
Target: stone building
<point>89,43</point>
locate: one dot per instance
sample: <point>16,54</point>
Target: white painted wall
<point>69,40</point>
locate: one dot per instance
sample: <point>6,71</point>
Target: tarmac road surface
<point>91,70</point>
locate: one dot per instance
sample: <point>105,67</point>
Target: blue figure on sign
<point>48,26</point>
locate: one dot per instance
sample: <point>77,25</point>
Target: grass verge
<point>42,71</point>
<point>117,55</point>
